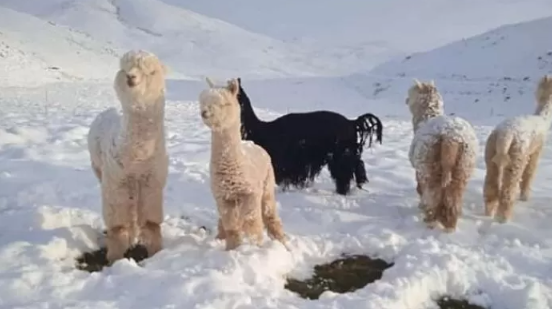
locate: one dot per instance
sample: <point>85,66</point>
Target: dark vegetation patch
<point>96,260</point>
<point>446,302</point>
<point>344,275</point>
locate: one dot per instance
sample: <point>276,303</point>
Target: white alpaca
<point>512,154</point>
<point>129,156</point>
<point>443,153</point>
<point>242,177</point>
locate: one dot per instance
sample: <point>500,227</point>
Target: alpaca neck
<point>248,114</point>
<point>142,132</point>
<point>226,151</point>
<point>545,110</point>
<point>418,119</point>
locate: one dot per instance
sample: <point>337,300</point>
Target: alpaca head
<point>140,73</point>
<point>424,99</point>
<point>544,92</point>
<point>219,107</point>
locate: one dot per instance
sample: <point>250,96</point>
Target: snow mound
<point>191,44</point>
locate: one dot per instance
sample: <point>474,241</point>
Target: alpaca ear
<point>417,83</point>
<point>239,81</point>
<point>209,82</point>
<point>233,86</point>
<point>164,69</point>
<point>432,83</point>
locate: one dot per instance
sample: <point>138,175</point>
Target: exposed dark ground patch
<point>446,302</point>
<point>96,260</point>
<point>340,276</point>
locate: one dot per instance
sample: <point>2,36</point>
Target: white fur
<point>242,177</point>
<point>443,152</point>
<point>129,157</point>
<point>512,153</point>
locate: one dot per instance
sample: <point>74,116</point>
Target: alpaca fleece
<point>512,153</point>
<point>301,144</point>
<point>443,153</point>
<point>129,157</point>
<point>242,177</point>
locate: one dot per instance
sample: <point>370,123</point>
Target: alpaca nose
<point>131,80</point>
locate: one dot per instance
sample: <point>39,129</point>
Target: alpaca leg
<point>491,189</point>
<point>269,212</point>
<point>221,234</point>
<point>510,184</point>
<point>431,200</point>
<point>419,191</point>
<point>118,242</point>
<point>253,228</point>
<point>152,238</point>
<point>271,219</point>
<point>229,211</point>
<point>529,175</point>
<point>341,167</point>
<point>451,207</point>
<point>150,216</point>
<point>360,172</point>
<point>117,209</point>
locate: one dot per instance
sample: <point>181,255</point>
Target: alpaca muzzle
<point>131,80</point>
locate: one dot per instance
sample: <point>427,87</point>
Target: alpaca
<point>242,177</point>
<point>129,157</point>
<point>512,153</point>
<point>443,153</point>
<point>301,144</point>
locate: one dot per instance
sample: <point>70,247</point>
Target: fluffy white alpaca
<point>512,154</point>
<point>443,153</point>
<point>242,177</point>
<point>129,157</point>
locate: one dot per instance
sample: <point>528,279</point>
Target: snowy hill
<point>192,45</point>
<point>34,51</point>
<point>487,76</point>
<point>359,35</point>
<point>57,61</point>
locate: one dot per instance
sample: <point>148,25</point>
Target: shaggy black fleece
<point>301,144</point>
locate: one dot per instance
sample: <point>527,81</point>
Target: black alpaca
<point>301,144</point>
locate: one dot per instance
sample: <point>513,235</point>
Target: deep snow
<point>49,198</point>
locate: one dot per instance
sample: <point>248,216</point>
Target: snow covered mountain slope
<point>361,34</point>
<point>33,51</point>
<point>485,77</point>
<point>192,45</point>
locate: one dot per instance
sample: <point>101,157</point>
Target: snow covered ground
<point>57,61</point>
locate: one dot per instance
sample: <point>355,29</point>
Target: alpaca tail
<point>366,125</point>
<point>502,146</point>
<point>451,150</point>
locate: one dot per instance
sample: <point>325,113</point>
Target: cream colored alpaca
<point>512,153</point>
<point>242,178</point>
<point>129,157</point>
<point>443,153</point>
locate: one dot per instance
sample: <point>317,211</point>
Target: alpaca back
<point>434,130</point>
<point>102,136</point>
<point>523,132</point>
